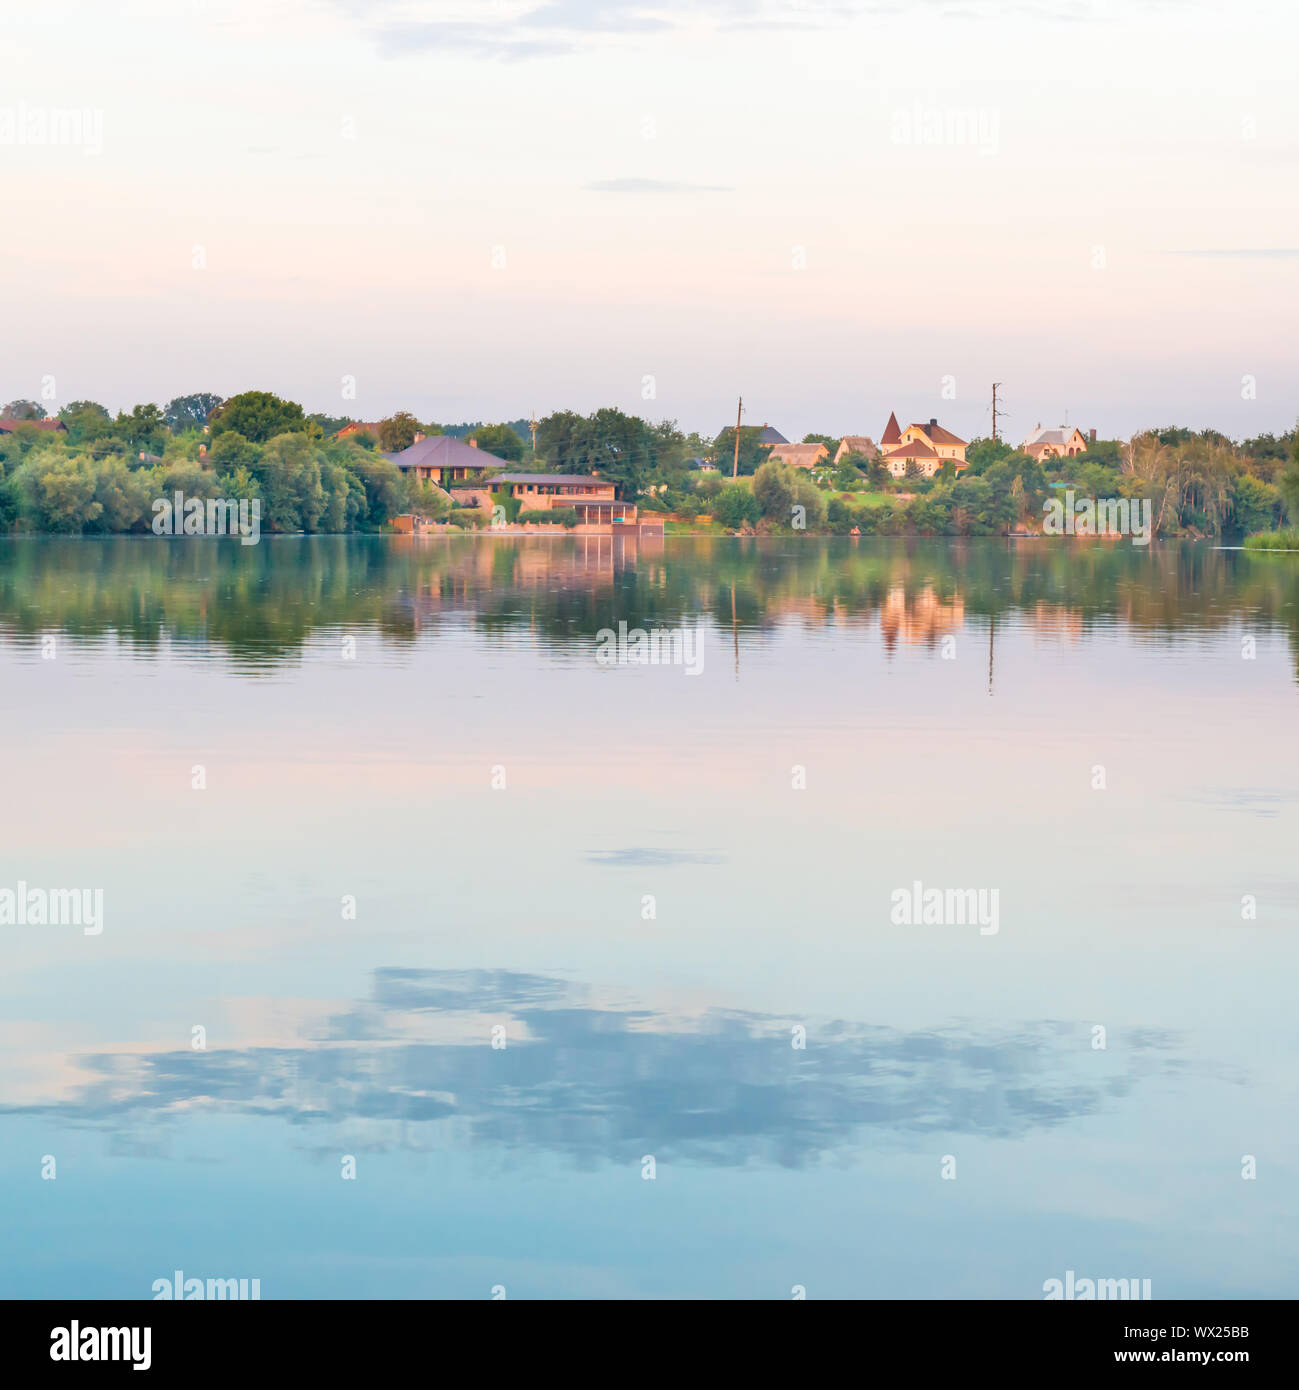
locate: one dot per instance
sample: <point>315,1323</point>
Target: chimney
<point>473,443</point>
<point>932,422</point>
<point>418,438</point>
<point>202,451</point>
<point>1091,435</point>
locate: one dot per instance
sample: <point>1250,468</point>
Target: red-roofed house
<point>8,425</point>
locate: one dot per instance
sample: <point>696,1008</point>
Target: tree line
<point>102,473</point>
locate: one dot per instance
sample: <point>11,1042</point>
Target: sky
<point>835,210</point>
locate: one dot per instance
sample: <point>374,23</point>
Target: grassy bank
<point>1285,539</point>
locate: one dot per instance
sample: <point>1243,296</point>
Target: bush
<point>557,516</point>
<point>736,506</point>
<point>1285,539</point>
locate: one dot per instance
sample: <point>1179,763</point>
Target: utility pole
<point>995,384</point>
<point>735,471</point>
<point>533,425</point>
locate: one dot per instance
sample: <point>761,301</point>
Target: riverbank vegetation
<point>92,472</point>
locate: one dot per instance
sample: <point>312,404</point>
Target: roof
<point>936,433</point>
<point>8,424</point>
<point>444,451</point>
<point>892,432</point>
<point>858,444</point>
<point>770,436</point>
<point>912,451</point>
<point>1057,436</point>
<point>800,455</point>
<point>560,479</point>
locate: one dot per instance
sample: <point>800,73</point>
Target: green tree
<point>143,430</point>
<point>981,453</point>
<point>752,453</point>
<point>58,491</point>
<point>231,451</point>
<point>500,440</point>
<point>293,494</point>
<point>23,410</point>
<point>124,495</point>
<point>86,420</point>
<point>259,416</point>
<point>773,487</point>
<point>622,449</point>
<point>398,432</point>
<point>1289,481</point>
<point>1256,505</point>
<point>812,500</point>
<point>190,412</point>
<point>735,506</point>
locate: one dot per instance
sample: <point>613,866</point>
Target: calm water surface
<point>356,706</point>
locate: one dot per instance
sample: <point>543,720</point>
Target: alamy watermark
<point>659,646</point>
<point>919,906</point>
<point>1091,516</point>
<point>53,125</point>
<point>77,1343</point>
<point>212,516</point>
<point>178,1288</point>
<point>52,907</point>
<point>1071,1287</point>
<point>976,126</point>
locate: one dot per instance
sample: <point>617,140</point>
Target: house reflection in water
<point>919,617</point>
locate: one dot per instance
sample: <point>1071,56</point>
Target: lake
<point>445,948</point>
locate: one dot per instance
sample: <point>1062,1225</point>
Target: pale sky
<point>480,210</point>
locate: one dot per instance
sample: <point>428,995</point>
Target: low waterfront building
<point>594,500</point>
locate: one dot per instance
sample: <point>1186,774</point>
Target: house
<point>703,465</point>
<point>770,436</point>
<point>594,500</point>
<point>1054,444</point>
<point>370,427</point>
<point>799,455</point>
<point>766,435</point>
<point>442,459</point>
<point>8,425</point>
<point>861,444</point>
<point>928,446</point>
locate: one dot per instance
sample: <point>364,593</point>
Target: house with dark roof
<point>928,446</point>
<point>766,434</point>
<point>442,460</point>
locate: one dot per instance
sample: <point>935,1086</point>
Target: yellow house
<point>928,446</point>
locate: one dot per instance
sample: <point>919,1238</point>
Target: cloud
<point>651,858</point>
<point>653,186</point>
<point>1242,252</point>
<point>597,1082</point>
